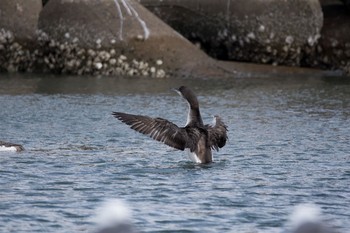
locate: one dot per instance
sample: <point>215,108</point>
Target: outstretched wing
<point>157,128</point>
<point>217,134</point>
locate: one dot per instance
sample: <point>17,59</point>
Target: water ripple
<point>288,145</point>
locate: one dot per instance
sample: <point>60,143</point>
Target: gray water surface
<point>288,144</point>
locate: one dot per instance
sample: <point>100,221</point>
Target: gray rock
<point>333,50</point>
<point>20,17</point>
<point>272,31</point>
<point>131,31</point>
<point>104,38</point>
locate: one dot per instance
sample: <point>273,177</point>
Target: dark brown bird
<point>200,139</point>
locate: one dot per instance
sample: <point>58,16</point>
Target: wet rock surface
<point>121,37</point>
<point>51,56</point>
<point>13,55</point>
<point>273,32</point>
<point>101,38</point>
<point>123,29</point>
<point>333,49</point>
<point>21,18</point>
<point>71,58</point>
<point>305,33</point>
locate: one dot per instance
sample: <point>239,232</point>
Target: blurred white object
<point>306,218</point>
<point>114,216</point>
<point>305,213</point>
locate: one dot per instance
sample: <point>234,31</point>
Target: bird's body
<point>200,139</point>
<point>7,146</point>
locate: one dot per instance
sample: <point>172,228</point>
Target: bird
<point>198,139</point>
<point>7,146</point>
<point>307,218</point>
<point>114,216</point>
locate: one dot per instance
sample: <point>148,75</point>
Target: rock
<point>45,2</point>
<point>346,3</point>
<point>333,51</point>
<point>121,37</point>
<point>21,18</point>
<point>130,30</point>
<point>272,31</point>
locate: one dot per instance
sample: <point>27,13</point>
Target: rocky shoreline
<point>122,37</point>
<point>50,56</point>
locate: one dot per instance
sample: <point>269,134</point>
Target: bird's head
<point>188,95</point>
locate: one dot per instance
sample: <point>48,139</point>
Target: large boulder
<point>99,35</point>
<point>271,31</point>
<point>333,50</point>
<point>20,17</point>
<point>18,33</point>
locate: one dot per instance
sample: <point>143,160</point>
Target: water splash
<point>133,13</point>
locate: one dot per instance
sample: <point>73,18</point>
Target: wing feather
<point>217,134</point>
<point>157,128</point>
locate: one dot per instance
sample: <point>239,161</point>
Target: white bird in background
<point>114,216</point>
<point>7,146</point>
<point>306,218</point>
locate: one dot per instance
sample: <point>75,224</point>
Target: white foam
<point>8,148</point>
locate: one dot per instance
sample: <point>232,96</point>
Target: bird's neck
<point>194,117</point>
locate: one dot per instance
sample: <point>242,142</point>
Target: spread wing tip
<point>116,114</point>
<point>119,115</point>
